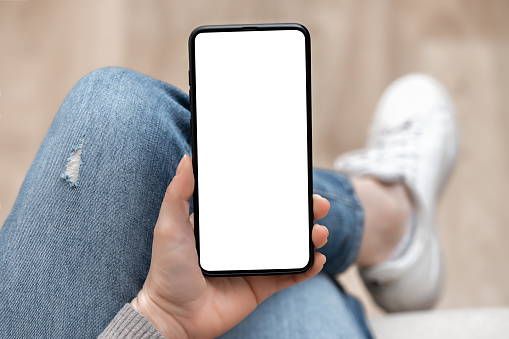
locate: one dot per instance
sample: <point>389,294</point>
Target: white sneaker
<point>413,140</point>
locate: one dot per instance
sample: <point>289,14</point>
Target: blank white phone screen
<point>252,149</point>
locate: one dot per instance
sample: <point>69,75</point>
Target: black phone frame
<point>192,89</point>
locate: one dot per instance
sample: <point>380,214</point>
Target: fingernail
<point>181,164</point>
<point>326,230</point>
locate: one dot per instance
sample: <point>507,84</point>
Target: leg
<point>388,209</point>
<point>412,147</point>
<point>316,308</point>
<point>126,133</point>
<point>345,220</point>
<point>366,221</point>
<point>74,251</point>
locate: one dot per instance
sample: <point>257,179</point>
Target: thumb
<point>175,205</point>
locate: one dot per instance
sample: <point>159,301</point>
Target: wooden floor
<point>358,48</point>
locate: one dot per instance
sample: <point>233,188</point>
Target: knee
<point>118,95</point>
<point>109,82</point>
<point>114,103</point>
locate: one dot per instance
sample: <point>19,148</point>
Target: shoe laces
<point>394,150</point>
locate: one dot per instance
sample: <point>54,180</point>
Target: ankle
<point>388,209</point>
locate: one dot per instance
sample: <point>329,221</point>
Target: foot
<point>413,141</point>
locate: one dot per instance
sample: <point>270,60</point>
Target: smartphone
<point>250,92</point>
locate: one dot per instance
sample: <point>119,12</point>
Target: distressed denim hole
<point>72,168</point>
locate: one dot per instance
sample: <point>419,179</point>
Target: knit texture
<point>128,323</point>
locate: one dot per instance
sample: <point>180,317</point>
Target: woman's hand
<point>177,298</point>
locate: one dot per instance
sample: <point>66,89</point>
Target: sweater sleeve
<point>128,323</point>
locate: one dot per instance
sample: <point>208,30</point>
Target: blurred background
<point>358,48</point>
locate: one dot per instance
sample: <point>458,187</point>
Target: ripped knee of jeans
<point>71,174</point>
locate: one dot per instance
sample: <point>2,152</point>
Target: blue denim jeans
<point>73,250</point>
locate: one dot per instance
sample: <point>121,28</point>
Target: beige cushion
<point>462,323</point>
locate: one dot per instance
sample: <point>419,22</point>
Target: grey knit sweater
<point>128,323</point>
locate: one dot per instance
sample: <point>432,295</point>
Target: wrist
<point>166,324</point>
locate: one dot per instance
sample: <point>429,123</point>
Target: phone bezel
<point>192,88</point>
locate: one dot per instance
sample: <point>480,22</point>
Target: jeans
<point>76,248</point>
